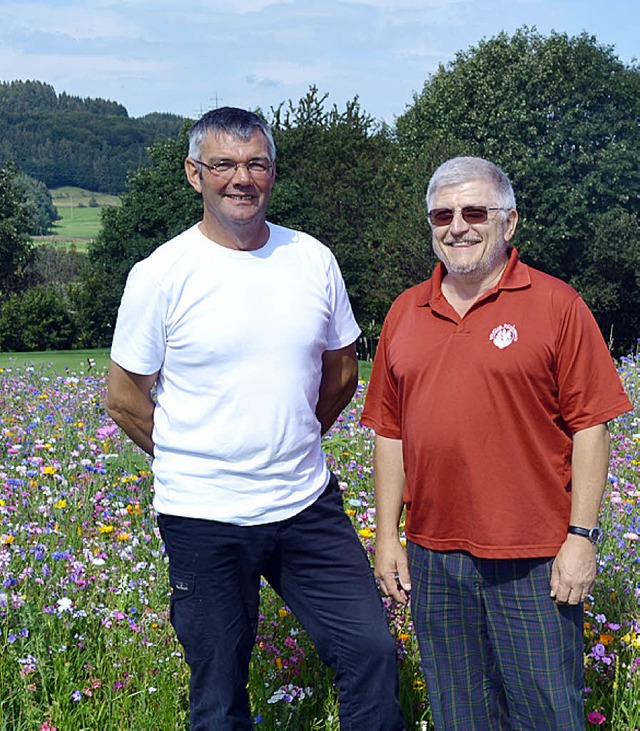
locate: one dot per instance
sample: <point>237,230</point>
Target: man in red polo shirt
<point>490,396</point>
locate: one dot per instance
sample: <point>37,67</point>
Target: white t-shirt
<point>238,338</point>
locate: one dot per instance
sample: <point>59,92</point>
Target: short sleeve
<point>382,406</point>
<point>590,391</point>
<point>139,339</point>
<point>343,328</point>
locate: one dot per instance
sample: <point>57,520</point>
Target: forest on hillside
<point>559,114</point>
<point>60,139</point>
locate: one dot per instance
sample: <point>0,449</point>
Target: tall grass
<point>85,638</point>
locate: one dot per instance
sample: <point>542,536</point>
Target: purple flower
<point>76,696</point>
<point>596,718</point>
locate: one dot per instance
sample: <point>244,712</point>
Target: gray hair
<point>239,123</point>
<point>463,169</point>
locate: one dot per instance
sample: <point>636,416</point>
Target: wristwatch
<point>593,534</point>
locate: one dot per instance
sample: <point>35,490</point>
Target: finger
<point>404,579</point>
<point>390,587</point>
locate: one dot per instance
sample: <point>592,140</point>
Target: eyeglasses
<point>471,214</point>
<point>227,168</point>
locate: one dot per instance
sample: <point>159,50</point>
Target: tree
<point>15,222</point>
<point>39,319</point>
<point>332,170</point>
<point>561,116</point>
<point>43,213</point>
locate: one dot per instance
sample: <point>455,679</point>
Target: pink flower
<point>596,718</point>
<point>46,726</point>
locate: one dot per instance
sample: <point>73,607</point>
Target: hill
<point>66,140</point>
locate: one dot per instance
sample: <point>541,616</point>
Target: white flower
<point>64,605</point>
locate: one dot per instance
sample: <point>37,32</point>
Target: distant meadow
<point>85,638</point>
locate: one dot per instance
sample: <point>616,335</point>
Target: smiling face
<point>472,252</point>
<point>235,202</point>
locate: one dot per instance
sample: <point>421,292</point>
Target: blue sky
<point>187,56</point>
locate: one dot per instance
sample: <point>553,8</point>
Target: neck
<point>244,237</point>
<point>463,290</point>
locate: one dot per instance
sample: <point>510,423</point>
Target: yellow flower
<point>282,613</point>
<point>49,470</point>
<point>6,540</point>
<point>366,532</point>
<point>106,529</point>
<point>61,504</point>
<point>122,536</point>
<point>350,512</point>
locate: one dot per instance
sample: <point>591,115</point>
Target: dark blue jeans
<point>317,564</point>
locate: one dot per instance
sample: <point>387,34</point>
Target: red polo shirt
<point>486,406</point>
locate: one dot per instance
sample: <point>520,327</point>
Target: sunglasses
<point>471,214</point>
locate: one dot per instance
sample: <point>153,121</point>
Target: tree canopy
<point>561,116</point>
<point>15,223</point>
<point>65,140</point>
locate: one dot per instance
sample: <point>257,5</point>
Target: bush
<point>40,319</point>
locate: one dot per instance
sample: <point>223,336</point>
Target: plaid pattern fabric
<point>498,654</point>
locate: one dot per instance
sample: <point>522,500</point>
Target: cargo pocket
<point>184,609</point>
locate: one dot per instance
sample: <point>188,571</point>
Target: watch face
<point>595,535</point>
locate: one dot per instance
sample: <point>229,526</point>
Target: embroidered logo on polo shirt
<point>504,335</point>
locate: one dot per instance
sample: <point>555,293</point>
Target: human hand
<point>392,569</point>
<point>574,571</point>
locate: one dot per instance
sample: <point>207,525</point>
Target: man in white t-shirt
<point>246,333</point>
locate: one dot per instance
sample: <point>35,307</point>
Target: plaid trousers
<point>497,652</point>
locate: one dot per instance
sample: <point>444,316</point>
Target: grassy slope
<point>80,218</point>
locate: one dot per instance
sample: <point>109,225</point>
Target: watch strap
<point>592,534</point>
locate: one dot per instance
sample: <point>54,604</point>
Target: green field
<point>80,215</point>
<point>60,361</point>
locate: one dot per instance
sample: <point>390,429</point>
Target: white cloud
<point>17,65</point>
<point>70,21</point>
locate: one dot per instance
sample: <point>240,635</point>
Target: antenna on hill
<point>216,104</point>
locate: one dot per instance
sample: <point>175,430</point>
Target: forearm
<point>137,426</point>
<point>589,469</point>
<point>389,484</point>
<point>338,384</point>
<point>130,405</point>
<point>574,568</point>
<point>391,567</point>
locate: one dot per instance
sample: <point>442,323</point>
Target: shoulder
<point>163,260</point>
<point>547,283</point>
<point>290,243</point>
<point>416,296</point>
<point>555,294</point>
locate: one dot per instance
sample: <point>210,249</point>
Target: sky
<point>189,56</point>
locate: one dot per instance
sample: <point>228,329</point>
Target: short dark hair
<point>229,120</point>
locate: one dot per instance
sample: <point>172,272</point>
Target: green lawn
<point>78,360</point>
<point>79,212</point>
<point>60,361</point>
<point>77,223</point>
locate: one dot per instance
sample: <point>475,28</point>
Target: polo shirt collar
<point>515,276</point>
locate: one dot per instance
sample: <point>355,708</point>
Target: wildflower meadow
<point>85,638</point>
